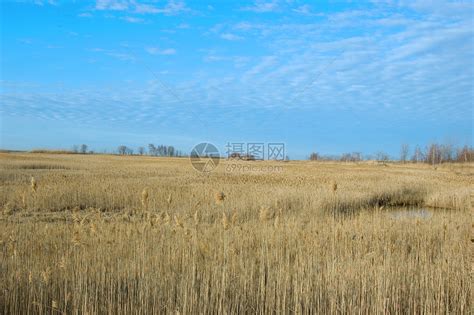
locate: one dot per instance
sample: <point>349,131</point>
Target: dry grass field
<point>97,234</point>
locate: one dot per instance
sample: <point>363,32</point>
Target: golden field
<point>128,234</point>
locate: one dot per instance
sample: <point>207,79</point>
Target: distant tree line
<point>160,150</point>
<point>124,150</point>
<point>81,149</point>
<point>163,150</point>
<point>438,153</point>
<point>431,154</point>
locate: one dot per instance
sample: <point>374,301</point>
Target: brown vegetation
<point>110,234</point>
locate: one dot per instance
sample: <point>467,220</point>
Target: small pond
<point>410,213</point>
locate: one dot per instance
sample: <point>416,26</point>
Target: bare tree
<point>356,156</point>
<point>151,149</point>
<point>75,148</point>
<point>345,157</point>
<point>433,154</point>
<point>382,156</point>
<point>141,150</point>
<point>83,148</point>
<point>447,153</point>
<point>351,157</point>
<point>404,150</point>
<point>122,150</point>
<point>313,156</point>
<point>171,150</point>
<point>465,154</point>
<point>417,155</point>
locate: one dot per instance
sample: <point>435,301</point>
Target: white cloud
<point>43,2</point>
<point>115,5</point>
<point>132,19</point>
<point>262,7</point>
<point>175,7</point>
<point>158,51</point>
<point>303,9</point>
<point>397,63</point>
<point>172,7</point>
<point>245,26</point>
<point>146,8</point>
<point>231,37</point>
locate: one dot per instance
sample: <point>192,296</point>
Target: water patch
<point>410,214</point>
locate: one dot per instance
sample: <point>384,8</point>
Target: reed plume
<point>178,222</point>
<point>167,219</point>
<point>145,198</point>
<point>219,197</point>
<point>276,223</point>
<point>225,221</point>
<point>265,214</point>
<point>196,217</point>
<point>334,187</point>
<point>34,185</point>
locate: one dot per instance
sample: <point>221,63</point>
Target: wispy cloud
<point>303,9</point>
<point>262,6</point>
<point>230,36</point>
<point>159,51</point>
<point>43,2</point>
<point>132,19</point>
<point>115,5</point>
<point>399,63</point>
<point>173,7</point>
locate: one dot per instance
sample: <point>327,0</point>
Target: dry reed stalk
<point>23,201</point>
<point>276,223</point>
<point>144,198</point>
<point>265,214</point>
<point>225,221</point>
<point>366,263</point>
<point>178,221</point>
<point>196,217</point>
<point>45,275</point>
<point>334,186</point>
<point>167,219</point>
<point>34,185</point>
<point>219,197</point>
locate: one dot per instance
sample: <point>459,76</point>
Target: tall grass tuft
<point>225,221</point>
<point>34,185</point>
<point>265,214</point>
<point>144,198</point>
<point>219,197</point>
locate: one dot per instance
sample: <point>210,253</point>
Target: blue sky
<point>320,76</point>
